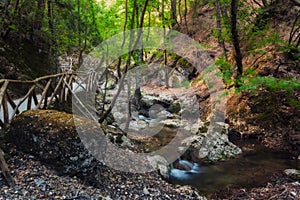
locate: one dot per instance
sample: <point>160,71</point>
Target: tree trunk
<point>39,16</point>
<point>219,27</point>
<point>173,12</point>
<point>185,15</point>
<point>83,48</point>
<point>235,39</point>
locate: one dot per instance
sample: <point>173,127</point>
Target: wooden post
<point>3,90</point>
<point>10,180</point>
<point>29,101</point>
<point>22,100</point>
<point>12,103</point>
<point>5,110</point>
<point>56,89</point>
<point>34,97</point>
<point>44,93</point>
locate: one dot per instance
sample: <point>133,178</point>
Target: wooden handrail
<point>52,87</point>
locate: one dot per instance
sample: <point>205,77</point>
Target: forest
<point>149,99</point>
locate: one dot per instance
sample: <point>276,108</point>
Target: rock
<point>51,137</point>
<point>293,173</point>
<point>174,107</point>
<point>163,99</point>
<point>172,123</point>
<point>212,145</point>
<point>146,191</point>
<point>166,98</point>
<point>126,141</point>
<point>136,125</point>
<point>164,115</point>
<point>193,127</point>
<point>149,100</point>
<point>161,164</point>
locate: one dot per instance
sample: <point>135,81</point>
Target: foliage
<point>251,82</point>
<point>270,83</point>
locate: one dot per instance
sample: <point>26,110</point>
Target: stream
<point>253,168</point>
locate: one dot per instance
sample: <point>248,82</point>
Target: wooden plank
<point>10,180</point>
<point>3,90</point>
<point>11,102</point>
<point>5,110</point>
<point>44,93</point>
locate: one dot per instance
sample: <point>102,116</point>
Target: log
<point>5,110</point>
<point>70,83</point>
<point>29,101</point>
<point>35,80</point>
<point>44,93</point>
<point>12,103</point>
<point>10,180</point>
<point>24,98</point>
<point>34,97</point>
<point>3,90</point>
<point>56,89</point>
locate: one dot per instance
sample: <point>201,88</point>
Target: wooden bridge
<point>37,94</point>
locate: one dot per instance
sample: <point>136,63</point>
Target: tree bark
<point>39,14</point>
<point>185,15</point>
<point>219,27</point>
<point>174,12</point>
<point>235,39</point>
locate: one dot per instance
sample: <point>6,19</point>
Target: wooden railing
<point>39,93</point>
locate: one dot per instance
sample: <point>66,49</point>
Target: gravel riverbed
<point>38,181</point>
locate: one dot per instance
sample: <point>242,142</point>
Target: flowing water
<point>252,169</point>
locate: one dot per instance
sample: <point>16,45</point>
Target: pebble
<point>37,181</point>
<point>145,191</point>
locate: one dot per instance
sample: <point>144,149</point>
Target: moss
<point>203,129</point>
<point>174,107</point>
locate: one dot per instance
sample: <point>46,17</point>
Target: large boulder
<point>212,144</point>
<point>51,136</point>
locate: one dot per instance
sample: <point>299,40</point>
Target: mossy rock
<point>174,107</point>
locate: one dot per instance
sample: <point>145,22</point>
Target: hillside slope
<point>272,115</point>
